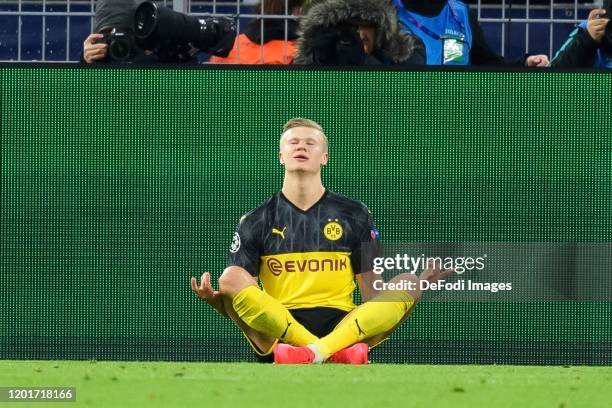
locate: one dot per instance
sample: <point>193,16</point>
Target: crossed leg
<point>373,321</point>
<point>263,319</point>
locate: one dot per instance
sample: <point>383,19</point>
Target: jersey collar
<point>282,196</point>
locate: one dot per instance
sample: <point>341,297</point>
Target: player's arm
<point>432,274</point>
<point>365,281</point>
<point>362,257</point>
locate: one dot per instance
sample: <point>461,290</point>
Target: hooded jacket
<point>392,45</point>
<point>114,13</point>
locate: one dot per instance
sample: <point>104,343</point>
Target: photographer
<point>143,32</point>
<point>117,15</point>
<point>589,45</point>
<point>355,32</point>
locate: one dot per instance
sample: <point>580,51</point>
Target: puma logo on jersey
<point>281,233</point>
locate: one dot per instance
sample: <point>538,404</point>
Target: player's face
<point>303,149</point>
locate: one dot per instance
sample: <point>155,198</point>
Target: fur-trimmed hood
<point>394,44</point>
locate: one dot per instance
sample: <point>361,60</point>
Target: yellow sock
<point>370,319</point>
<point>267,315</point>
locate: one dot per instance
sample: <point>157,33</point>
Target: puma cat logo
<point>281,233</point>
<point>360,333</point>
<point>286,330</point>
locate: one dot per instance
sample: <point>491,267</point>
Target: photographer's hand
<point>93,51</point>
<point>596,26</point>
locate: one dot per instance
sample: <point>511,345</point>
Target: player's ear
<point>280,159</point>
<point>325,159</point>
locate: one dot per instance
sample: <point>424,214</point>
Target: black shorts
<point>320,321</point>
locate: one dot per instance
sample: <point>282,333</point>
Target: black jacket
<point>579,51</point>
<point>328,36</point>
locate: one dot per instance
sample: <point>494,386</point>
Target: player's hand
<point>207,293</point>
<point>537,61</point>
<point>433,273</point>
<point>596,26</point>
<point>93,51</point>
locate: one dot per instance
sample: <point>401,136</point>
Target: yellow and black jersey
<point>307,259</point>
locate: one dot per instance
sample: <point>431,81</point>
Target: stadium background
<point>54,30</point>
<point>118,185</point>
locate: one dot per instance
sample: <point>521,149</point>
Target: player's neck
<point>303,190</point>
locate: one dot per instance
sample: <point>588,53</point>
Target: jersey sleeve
<point>245,249</point>
<point>367,246</point>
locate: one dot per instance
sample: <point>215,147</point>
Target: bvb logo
<point>332,230</point>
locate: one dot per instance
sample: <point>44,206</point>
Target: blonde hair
<point>303,122</point>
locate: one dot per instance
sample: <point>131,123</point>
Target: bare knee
<point>416,292</point>
<point>233,280</point>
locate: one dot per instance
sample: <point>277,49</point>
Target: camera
<point>121,45</point>
<point>347,35</point>
<point>338,45</point>
<point>163,30</point>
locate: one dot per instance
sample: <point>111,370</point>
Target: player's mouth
<point>301,157</point>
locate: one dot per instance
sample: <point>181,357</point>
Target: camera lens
<point>119,49</point>
<point>163,30</point>
<point>146,19</point>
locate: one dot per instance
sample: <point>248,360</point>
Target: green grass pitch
<point>161,384</point>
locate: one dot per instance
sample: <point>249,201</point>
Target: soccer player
<point>306,245</point>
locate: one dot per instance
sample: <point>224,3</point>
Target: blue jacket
<point>452,25</point>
